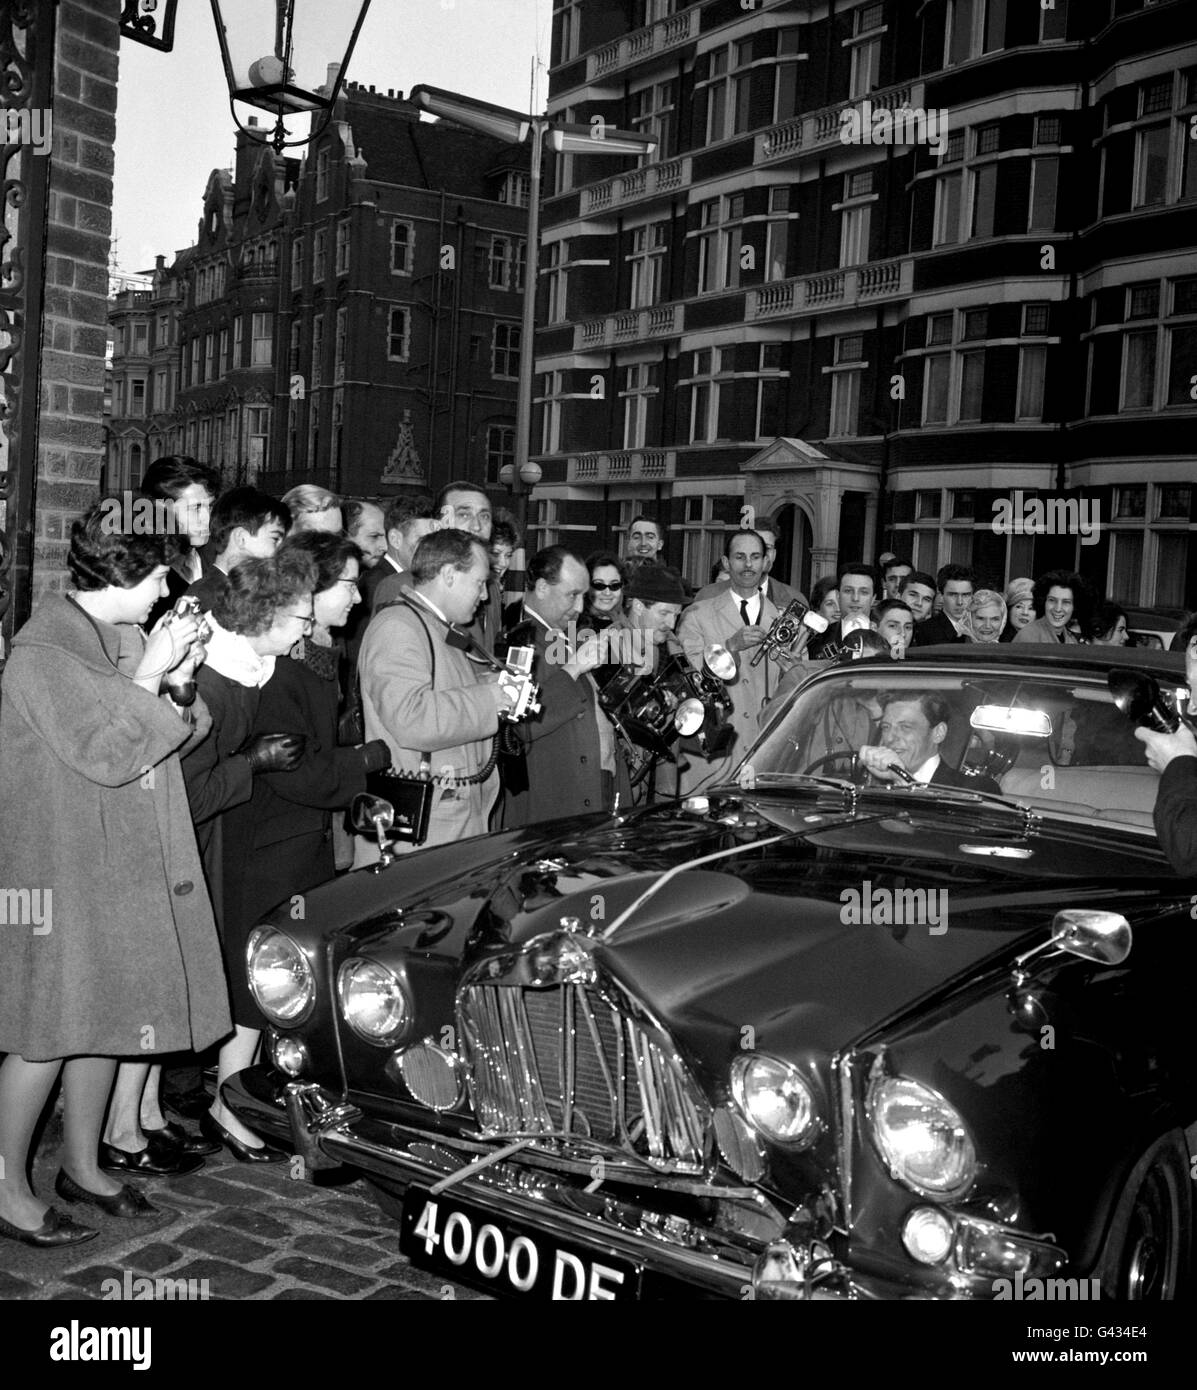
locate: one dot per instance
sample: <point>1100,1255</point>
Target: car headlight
<point>921,1137</point>
<point>373,1001</point>
<point>774,1096</point>
<point>280,978</point>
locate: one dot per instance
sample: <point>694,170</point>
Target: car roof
<point>1056,658</point>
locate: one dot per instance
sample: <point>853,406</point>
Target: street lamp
<point>276,56</point>
<point>514,127</point>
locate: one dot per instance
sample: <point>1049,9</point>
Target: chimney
<point>330,76</point>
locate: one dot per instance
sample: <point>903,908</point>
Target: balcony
<point>626,465</point>
<point>653,180</point>
<point>632,326</point>
<point>641,44</point>
<point>813,131</point>
<point>834,289</point>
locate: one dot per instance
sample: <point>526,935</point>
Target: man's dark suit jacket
<point>209,588</point>
<point>935,630</point>
<point>562,755</point>
<point>1176,815</point>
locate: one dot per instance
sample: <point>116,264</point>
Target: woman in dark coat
<point>278,842</point>
<point>122,960</point>
<point>258,616</point>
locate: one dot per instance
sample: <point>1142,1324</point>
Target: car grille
<point>564,1061</point>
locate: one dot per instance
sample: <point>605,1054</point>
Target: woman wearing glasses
<point>604,606</point>
<point>279,843</point>
<point>263,611</point>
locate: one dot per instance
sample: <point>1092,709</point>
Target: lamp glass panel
<point>264,70</point>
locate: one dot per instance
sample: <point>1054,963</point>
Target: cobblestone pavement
<point>251,1230</point>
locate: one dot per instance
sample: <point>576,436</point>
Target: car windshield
<point>1055,745</point>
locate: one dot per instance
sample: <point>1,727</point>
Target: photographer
<point>1174,757</point>
<point>427,699</point>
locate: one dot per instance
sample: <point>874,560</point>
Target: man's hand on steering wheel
<point>881,762</point>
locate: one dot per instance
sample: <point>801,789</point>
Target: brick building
<point>889,264</point>
<point>63,61</point>
<point>399,309</point>
<point>350,319</point>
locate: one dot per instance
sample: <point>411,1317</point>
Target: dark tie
<point>744,612</point>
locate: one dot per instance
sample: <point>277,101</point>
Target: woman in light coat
<point>121,959</point>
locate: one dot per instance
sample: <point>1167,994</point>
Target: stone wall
<point>75,322</point>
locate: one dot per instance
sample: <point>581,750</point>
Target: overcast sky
<point>173,125</point>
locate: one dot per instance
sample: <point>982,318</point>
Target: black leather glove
<point>376,755</point>
<point>274,752</point>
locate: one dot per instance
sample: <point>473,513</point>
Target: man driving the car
<point>1174,756</point>
<point>913,727</point>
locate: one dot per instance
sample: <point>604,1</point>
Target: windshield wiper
<point>836,783</point>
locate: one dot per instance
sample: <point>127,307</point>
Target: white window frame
<point>405,352</point>
<point>262,356</point>
<point>407,244</point>
<point>506,353</point>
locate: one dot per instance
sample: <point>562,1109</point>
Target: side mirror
<point>1093,935</point>
<point>369,814</point>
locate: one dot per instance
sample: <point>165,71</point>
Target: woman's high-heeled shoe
<point>243,1153</point>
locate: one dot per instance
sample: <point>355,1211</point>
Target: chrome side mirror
<point>371,814</point>
<point>1093,935</point>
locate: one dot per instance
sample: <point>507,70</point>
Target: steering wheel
<point>839,755</point>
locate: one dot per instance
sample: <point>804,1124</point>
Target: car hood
<point>812,926</point>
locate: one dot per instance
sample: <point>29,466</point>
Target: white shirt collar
<point>927,771</point>
<point>428,603</point>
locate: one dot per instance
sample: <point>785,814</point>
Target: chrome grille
<point>564,1061</point>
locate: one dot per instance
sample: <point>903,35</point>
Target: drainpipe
<point>454,339</point>
<point>434,350</point>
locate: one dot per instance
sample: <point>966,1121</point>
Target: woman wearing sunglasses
<point>604,604</point>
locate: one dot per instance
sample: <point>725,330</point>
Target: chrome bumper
<point>325,1132</point>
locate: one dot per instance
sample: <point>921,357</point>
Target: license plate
<point>455,1238</point>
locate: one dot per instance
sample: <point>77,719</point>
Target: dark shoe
<point>215,1131</point>
<point>54,1230</point>
<point>190,1106</point>
<point>173,1136</point>
<point>154,1161</point>
<point>127,1202</point>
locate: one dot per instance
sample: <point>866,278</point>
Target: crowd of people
<point>199,710</point>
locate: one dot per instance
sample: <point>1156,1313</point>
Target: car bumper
<point>325,1131</point>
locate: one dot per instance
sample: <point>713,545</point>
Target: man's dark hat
<point>657,584</point>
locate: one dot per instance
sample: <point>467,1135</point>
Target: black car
<point>809,1036</point>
